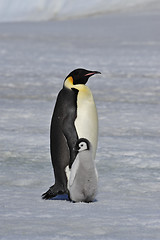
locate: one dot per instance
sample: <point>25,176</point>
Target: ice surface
<point>34,60</point>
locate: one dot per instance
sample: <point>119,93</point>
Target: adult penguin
<point>74,117</point>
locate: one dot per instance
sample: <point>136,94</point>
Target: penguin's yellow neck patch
<point>68,82</point>
<point>83,89</point>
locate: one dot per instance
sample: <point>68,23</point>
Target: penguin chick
<point>82,177</point>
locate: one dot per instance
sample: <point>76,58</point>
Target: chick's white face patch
<point>82,146</point>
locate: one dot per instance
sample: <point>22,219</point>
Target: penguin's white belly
<point>86,122</point>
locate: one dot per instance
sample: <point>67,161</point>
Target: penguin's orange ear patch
<point>69,82</point>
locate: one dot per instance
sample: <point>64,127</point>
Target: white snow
<point>34,60</point>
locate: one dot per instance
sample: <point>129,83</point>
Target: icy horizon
<point>42,10</point>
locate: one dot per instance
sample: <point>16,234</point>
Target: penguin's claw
<point>48,195</point>
<point>52,192</point>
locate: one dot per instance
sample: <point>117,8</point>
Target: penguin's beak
<point>92,73</point>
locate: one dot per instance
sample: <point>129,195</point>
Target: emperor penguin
<point>82,177</point>
<point>74,117</point>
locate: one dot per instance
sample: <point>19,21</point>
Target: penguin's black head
<point>82,144</point>
<point>80,75</point>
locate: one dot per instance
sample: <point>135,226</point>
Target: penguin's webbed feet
<point>53,191</point>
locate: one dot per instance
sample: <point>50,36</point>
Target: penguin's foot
<point>53,191</point>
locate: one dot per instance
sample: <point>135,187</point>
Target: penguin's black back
<point>63,135</point>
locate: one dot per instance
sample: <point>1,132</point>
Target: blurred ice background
<point>122,40</point>
<point>39,10</point>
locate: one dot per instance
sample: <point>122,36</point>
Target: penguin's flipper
<point>71,136</point>
<point>53,191</point>
<point>74,169</point>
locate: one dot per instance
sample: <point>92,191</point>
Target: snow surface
<point>34,60</point>
<point>39,10</point>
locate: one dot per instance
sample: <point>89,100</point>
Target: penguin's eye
<point>76,73</point>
